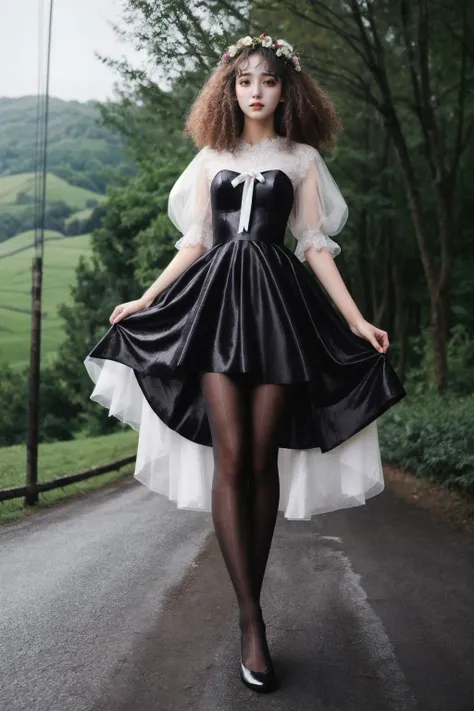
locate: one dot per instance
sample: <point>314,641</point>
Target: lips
<point>256,106</point>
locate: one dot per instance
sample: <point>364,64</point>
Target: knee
<point>264,467</point>
<point>230,464</point>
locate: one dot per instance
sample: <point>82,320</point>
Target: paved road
<point>117,602</point>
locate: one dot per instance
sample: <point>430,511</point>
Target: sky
<point>80,27</point>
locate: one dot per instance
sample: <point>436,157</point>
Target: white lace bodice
<point>319,210</point>
<point>269,154</point>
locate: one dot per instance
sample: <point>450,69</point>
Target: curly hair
<point>307,115</point>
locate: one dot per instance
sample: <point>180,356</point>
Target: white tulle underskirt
<point>311,482</point>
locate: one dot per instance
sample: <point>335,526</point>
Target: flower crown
<point>280,47</point>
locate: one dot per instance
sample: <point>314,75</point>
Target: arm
<point>323,265</point>
<point>318,211</point>
<point>189,209</point>
<point>178,264</point>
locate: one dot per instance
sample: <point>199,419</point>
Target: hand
<point>130,307</point>
<point>377,337</point>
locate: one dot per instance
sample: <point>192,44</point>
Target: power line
<point>37,264</point>
<point>39,132</point>
<point>45,135</point>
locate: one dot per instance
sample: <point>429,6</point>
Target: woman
<point>250,391</point>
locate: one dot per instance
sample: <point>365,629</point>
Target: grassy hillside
<point>60,258</point>
<point>80,150</point>
<point>23,241</point>
<point>56,189</point>
<point>80,215</point>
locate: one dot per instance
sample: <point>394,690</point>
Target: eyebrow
<point>264,74</point>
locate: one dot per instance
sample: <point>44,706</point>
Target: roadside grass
<point>58,459</point>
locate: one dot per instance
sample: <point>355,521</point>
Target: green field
<point>23,241</point>
<point>60,258</point>
<point>56,190</point>
<point>56,459</point>
<point>80,215</point>
<point>61,255</point>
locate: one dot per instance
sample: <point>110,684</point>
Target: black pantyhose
<point>244,420</point>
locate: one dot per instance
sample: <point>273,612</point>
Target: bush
<point>59,415</point>
<point>460,354</point>
<point>432,437</point>
<point>13,405</point>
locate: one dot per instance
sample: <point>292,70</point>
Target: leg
<point>225,400</point>
<point>268,402</point>
<point>267,405</point>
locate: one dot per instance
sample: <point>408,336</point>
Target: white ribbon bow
<point>247,195</point>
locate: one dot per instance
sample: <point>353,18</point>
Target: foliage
<point>132,244</point>
<point>432,436</point>
<point>421,376</point>
<point>13,405</point>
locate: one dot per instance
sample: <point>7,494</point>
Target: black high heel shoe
<point>262,682</point>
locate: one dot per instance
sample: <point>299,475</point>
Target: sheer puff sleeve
<point>319,210</point>
<point>189,204</point>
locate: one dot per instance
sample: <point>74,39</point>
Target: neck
<point>256,131</point>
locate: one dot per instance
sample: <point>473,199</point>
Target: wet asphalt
<point>116,601</point>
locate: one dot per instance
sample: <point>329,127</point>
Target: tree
<point>408,61</point>
<point>135,240</point>
<point>400,66</point>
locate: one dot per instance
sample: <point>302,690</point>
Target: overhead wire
<point>40,165</point>
<point>39,131</point>
<point>42,122</point>
<point>44,166</point>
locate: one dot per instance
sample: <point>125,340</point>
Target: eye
<point>267,81</point>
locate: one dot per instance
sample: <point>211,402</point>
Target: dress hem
<point>311,482</point>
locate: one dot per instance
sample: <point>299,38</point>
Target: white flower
<point>267,41</point>
<point>285,51</point>
<point>284,43</point>
<point>233,49</point>
<point>278,52</point>
<point>247,41</point>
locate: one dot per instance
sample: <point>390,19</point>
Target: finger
<point>376,344</point>
<point>115,312</point>
<point>127,311</point>
<point>122,313</point>
<point>384,340</point>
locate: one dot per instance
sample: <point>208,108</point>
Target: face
<point>254,84</point>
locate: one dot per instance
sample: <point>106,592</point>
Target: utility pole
<point>31,497</point>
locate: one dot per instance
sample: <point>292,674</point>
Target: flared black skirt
<point>249,307</point>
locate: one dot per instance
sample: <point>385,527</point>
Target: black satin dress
<point>248,305</point>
